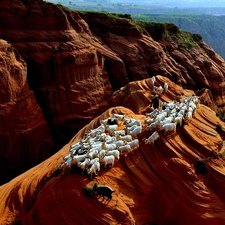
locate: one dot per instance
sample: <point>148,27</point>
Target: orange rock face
<point>154,184</point>
<point>24,134</point>
<point>63,72</point>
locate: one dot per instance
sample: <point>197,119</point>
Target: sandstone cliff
<point>153,185</point>
<point>62,69</point>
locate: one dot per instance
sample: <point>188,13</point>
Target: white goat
<point>92,154</point>
<point>115,153</point>
<point>108,147</point>
<point>136,131</point>
<point>152,138</point>
<point>127,137</point>
<point>158,90</point>
<point>165,87</point>
<point>83,165</point>
<point>108,160</point>
<point>120,117</point>
<point>153,80</point>
<point>152,114</point>
<point>111,128</point>
<point>153,126</point>
<point>94,169</point>
<point>169,128</point>
<point>125,149</point>
<point>133,144</point>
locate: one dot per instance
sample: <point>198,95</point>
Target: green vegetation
<point>200,166</point>
<point>88,191</point>
<point>112,15</point>
<point>220,114</point>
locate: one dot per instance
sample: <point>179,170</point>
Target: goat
<point>94,169</point>
<point>133,144</point>
<point>152,138</point>
<point>127,137</point>
<point>168,127</point>
<point>119,117</point>
<point>108,147</point>
<point>115,153</point>
<point>152,80</point>
<point>152,114</point>
<point>136,131</point>
<point>165,87</point>
<point>124,149</point>
<point>153,126</point>
<point>111,128</point>
<point>103,191</point>
<point>158,90</point>
<point>92,154</point>
<point>83,165</point>
<point>108,160</point>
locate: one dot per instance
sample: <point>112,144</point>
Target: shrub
<point>88,191</point>
<point>200,167</point>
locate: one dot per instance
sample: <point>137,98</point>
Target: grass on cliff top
<point>182,38</point>
<point>111,15</point>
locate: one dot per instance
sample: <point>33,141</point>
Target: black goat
<point>103,191</point>
<point>112,121</point>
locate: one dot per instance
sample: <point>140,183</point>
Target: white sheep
<point>115,153</point>
<point>153,126</point>
<point>178,120</point>
<point>165,87</point>
<point>111,128</point>
<point>108,160</point>
<point>152,114</point>
<point>119,132</point>
<point>94,169</point>
<point>99,129</point>
<point>119,143</point>
<point>108,147</point>
<point>120,117</point>
<point>83,165</point>
<point>127,137</point>
<point>92,154</point>
<point>136,131</point>
<point>102,153</point>
<point>130,122</point>
<point>152,138</point>
<point>158,90</point>
<point>133,144</point>
<point>153,80</point>
<point>169,128</point>
<point>125,149</point>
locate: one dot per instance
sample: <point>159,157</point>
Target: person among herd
<point>155,102</point>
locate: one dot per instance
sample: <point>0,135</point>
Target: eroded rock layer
<point>24,134</point>
<point>155,184</point>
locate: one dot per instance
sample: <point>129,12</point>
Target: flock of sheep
<point>171,115</point>
<point>118,135</point>
<point>103,145</point>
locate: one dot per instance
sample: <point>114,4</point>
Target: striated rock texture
<point>76,61</point>
<point>155,185</point>
<point>25,138</point>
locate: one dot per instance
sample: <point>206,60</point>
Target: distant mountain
<point>211,28</point>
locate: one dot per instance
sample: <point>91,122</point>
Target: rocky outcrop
<point>24,134</point>
<point>155,184</point>
<point>76,61</point>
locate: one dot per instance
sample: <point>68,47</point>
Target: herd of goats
<point>118,135</point>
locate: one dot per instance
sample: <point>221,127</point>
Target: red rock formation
<point>72,55</point>
<point>156,184</point>
<point>25,139</point>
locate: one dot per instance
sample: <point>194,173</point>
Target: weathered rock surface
<point>25,138</point>
<point>155,185</point>
<point>76,62</point>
